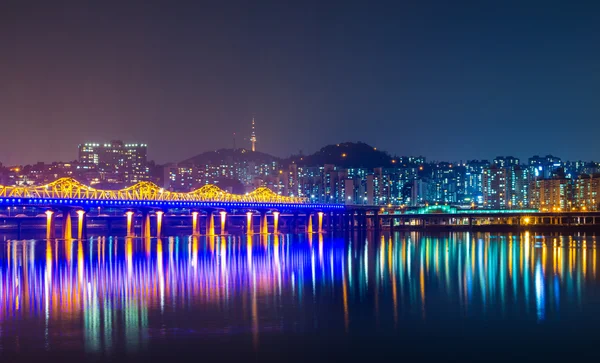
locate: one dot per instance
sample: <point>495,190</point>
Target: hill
<point>229,156</point>
<point>346,155</point>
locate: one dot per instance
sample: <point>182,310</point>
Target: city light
<point>503,183</point>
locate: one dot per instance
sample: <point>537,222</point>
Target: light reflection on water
<point>106,294</point>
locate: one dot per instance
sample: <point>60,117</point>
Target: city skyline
<point>349,174</point>
<point>414,79</point>
<point>256,144</point>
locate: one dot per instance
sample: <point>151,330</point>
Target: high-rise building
<point>180,178</point>
<point>506,161</point>
<point>495,188</point>
<point>418,192</point>
<point>474,180</point>
<point>135,162</point>
<point>115,162</point>
<point>505,184</point>
<point>543,167</point>
<point>518,186</point>
<point>550,195</point>
<point>586,193</point>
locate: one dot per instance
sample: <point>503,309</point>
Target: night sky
<point>450,80</point>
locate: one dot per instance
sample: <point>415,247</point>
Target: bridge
<point>68,197</point>
<point>210,209</point>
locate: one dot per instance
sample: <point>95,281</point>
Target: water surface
<point>297,297</point>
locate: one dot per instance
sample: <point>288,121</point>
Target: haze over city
<point>450,81</point>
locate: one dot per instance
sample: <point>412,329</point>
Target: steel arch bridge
<point>69,188</point>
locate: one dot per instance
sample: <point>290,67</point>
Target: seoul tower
<point>253,136</point>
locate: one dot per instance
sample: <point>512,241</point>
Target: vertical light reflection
<point>210,224</point>
<point>422,284</point>
<point>584,258</point>
<point>129,255</point>
<point>525,258</point>
<point>249,253</point>
<point>345,298</point>
<point>393,270</point>
<point>366,263</point>
<point>161,274</point>
<point>194,250</point>
<point>381,259</point>
<point>277,262</point>
<point>594,253</point>
<point>539,291</point>
<point>47,292</point>
<point>320,249</point>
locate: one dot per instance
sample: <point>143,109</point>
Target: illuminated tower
<point>253,136</point>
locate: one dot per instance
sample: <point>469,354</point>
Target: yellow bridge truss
<point>69,188</point>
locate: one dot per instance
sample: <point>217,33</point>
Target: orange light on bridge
<point>249,228</point>
<point>129,215</point>
<point>194,223</point>
<point>223,219</point>
<point>49,224</point>
<point>320,222</point>
<point>275,222</point>
<point>80,215</point>
<point>159,215</point>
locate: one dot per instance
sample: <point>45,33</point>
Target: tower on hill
<point>253,136</point>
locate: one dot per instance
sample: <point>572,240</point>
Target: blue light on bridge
<point>157,204</point>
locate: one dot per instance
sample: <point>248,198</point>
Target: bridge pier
<point>159,216</point>
<point>276,222</point>
<point>130,232</point>
<point>81,224</point>
<point>362,220</point>
<point>67,226</point>
<point>264,224</point>
<point>223,215</point>
<point>377,221</point>
<point>210,223</point>
<point>320,225</point>
<point>309,223</point>
<point>146,231</point>
<point>249,223</point>
<point>294,225</point>
<point>50,224</point>
<point>195,225</point>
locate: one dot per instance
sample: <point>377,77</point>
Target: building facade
<point>114,162</point>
